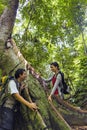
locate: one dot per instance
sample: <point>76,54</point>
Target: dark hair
<point>18,72</point>
<point>55,64</point>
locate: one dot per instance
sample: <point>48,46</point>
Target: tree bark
<point>7,20</point>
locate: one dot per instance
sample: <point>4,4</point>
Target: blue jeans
<point>3,129</point>
<point>6,118</point>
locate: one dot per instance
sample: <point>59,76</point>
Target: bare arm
<point>19,98</point>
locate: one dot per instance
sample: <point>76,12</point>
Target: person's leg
<point>7,118</point>
<point>2,128</point>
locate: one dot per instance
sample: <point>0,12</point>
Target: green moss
<point>38,95</point>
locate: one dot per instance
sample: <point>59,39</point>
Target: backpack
<point>3,93</point>
<point>65,88</point>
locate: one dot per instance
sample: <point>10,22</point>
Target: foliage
<point>54,31</point>
<point>3,4</point>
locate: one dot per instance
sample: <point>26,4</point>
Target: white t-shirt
<point>12,88</point>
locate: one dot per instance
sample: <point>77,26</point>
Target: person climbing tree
<point>14,96</point>
<point>56,81</point>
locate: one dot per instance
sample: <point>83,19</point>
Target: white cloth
<point>12,87</point>
<point>58,84</point>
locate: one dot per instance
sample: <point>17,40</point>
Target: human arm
<point>19,98</point>
<point>47,80</point>
<point>56,86</point>
<point>12,88</point>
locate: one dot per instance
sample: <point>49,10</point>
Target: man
<point>7,116</point>
<point>56,81</point>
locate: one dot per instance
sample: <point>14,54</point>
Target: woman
<point>56,81</point>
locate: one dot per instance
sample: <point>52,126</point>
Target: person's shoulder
<point>59,74</point>
<point>12,81</point>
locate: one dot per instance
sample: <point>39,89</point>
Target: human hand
<point>33,106</point>
<point>49,98</point>
<point>23,86</point>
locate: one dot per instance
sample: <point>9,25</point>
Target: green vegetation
<point>47,31</point>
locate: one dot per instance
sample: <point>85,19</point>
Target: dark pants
<point>6,118</point>
<point>3,129</point>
